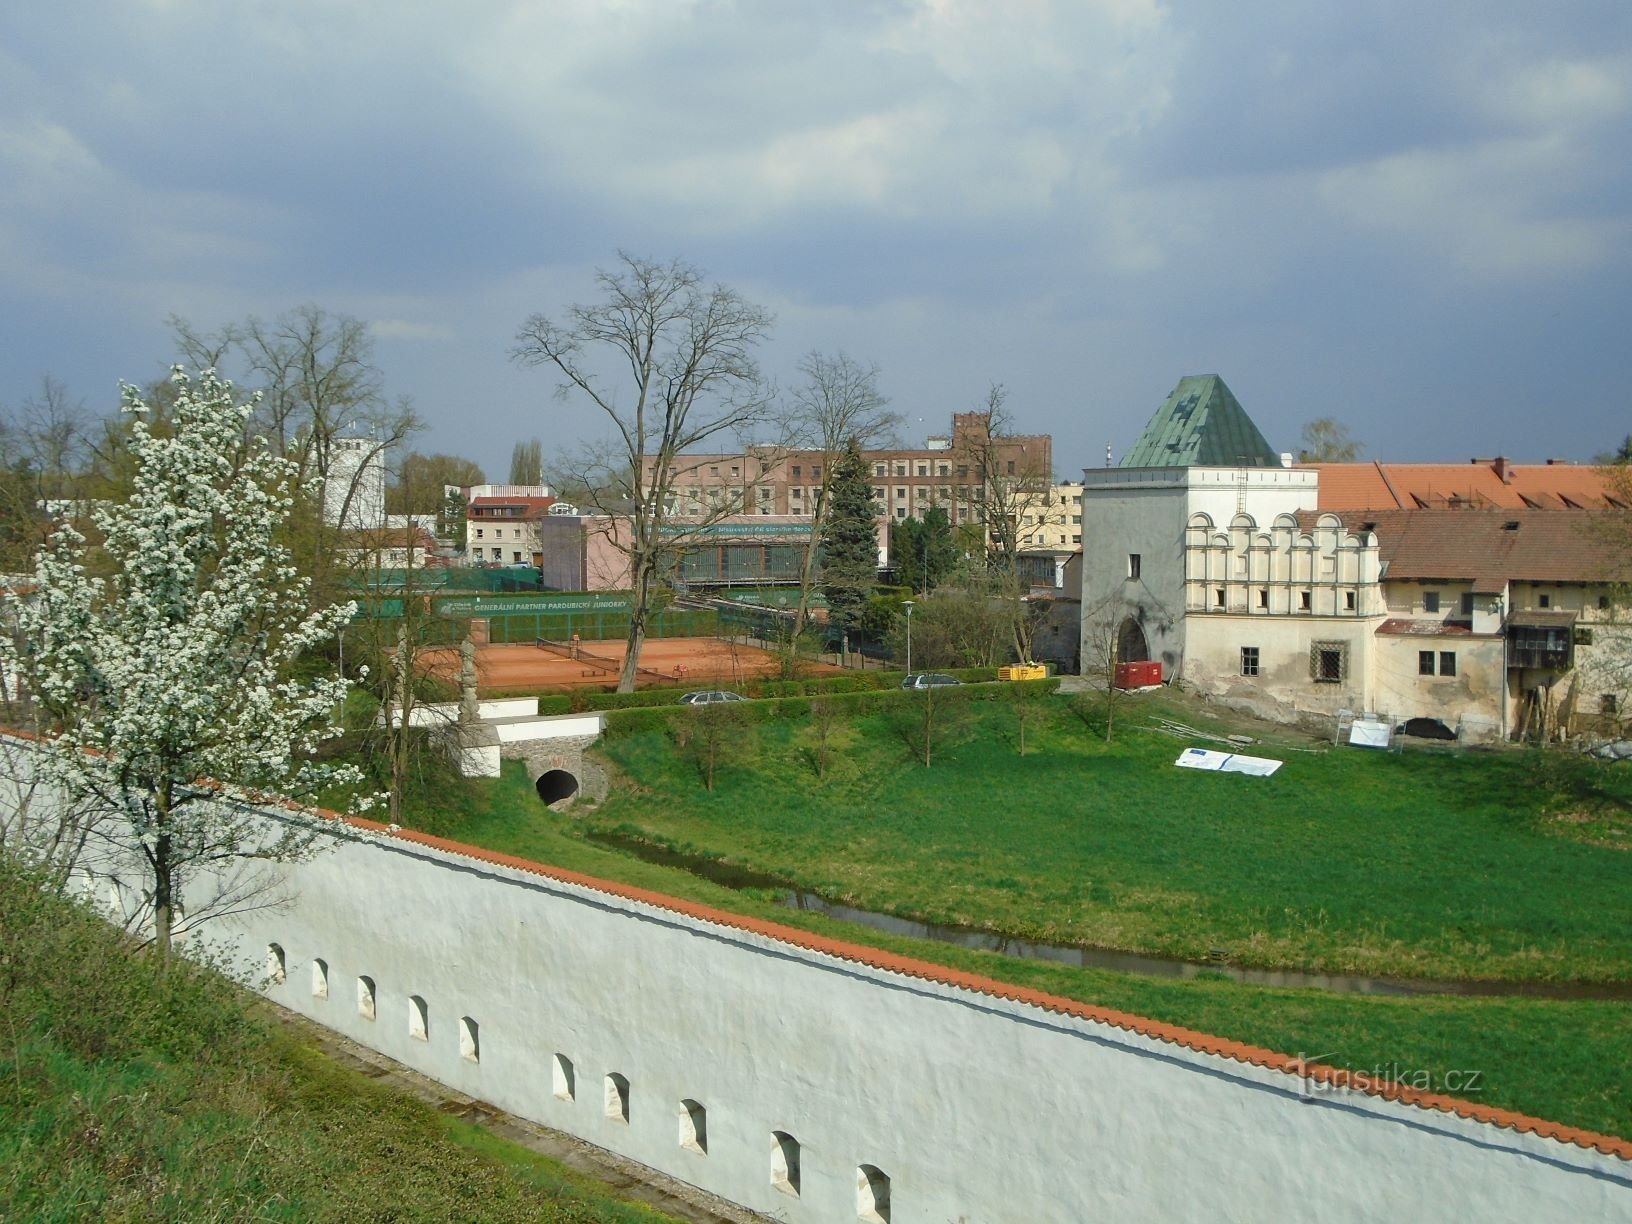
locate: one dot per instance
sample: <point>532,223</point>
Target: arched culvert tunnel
<point>555,785</point>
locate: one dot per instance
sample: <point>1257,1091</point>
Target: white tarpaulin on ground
<point>1226,762</point>
<point>1369,733</point>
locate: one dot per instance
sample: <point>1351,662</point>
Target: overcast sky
<point>1413,217</point>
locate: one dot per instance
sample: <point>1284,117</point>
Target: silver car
<point>924,680</point>
<point>709,696</point>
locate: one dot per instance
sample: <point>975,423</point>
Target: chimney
<point>1503,472</point>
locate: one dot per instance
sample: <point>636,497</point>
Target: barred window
<point>1329,662</point>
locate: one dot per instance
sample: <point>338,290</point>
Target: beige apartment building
<point>946,471</point>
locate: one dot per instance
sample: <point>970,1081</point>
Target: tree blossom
<point>164,657</point>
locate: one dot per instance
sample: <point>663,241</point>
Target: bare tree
<point>1101,652</point>
<point>685,352</point>
<point>838,401</point>
<point>1014,478</point>
<point>318,385</point>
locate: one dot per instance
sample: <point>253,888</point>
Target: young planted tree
<point>709,736</point>
<point>168,679</point>
<point>685,352</point>
<point>849,543</point>
<point>933,718</point>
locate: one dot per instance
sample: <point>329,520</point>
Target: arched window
<point>693,1127</point>
<point>617,1097</point>
<point>320,979</point>
<point>564,1082</point>
<point>365,997</point>
<point>419,1020</point>
<point>785,1163</point>
<point>872,1195</point>
<point>277,971</point>
<point>470,1040</point>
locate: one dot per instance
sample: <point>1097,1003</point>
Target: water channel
<point>1083,956</point>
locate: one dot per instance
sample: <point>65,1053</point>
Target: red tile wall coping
<point>877,958</point>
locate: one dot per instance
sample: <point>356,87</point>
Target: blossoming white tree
<point>163,659</point>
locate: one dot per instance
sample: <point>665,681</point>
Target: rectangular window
<point>735,472</point>
<point>515,558</point>
<point>1303,601</point>
<point>1249,660</point>
<point>1544,601</point>
<point>942,470</point>
<point>1425,662</point>
<point>815,471</point>
<point>478,533</point>
<point>1430,601</point>
<point>796,471</point>
<point>714,469</point>
<point>900,512</point>
<point>1447,662</point>
<point>1467,603</point>
<point>900,492</point>
<point>1263,598</point>
<point>1348,600</point>
<point>923,469</point>
<point>1609,703</point>
<point>1134,563</point>
<point>878,469</point>
<point>1218,597</point>
<point>1011,467</point>
<point>963,470</point>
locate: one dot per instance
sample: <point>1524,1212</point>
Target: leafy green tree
<point>526,463</point>
<point>418,483</point>
<point>923,551</point>
<point>849,541</point>
<point>1326,440</point>
<point>169,681</point>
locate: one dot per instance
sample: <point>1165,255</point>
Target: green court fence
<point>595,625</point>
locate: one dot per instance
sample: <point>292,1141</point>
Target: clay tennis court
<point>702,662</point>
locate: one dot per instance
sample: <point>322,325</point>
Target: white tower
<point>355,485</point>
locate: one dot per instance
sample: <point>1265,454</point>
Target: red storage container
<point>1138,675</point>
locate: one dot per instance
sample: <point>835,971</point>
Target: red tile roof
<point>531,508</point>
<point>1483,483</point>
<point>1497,546</point>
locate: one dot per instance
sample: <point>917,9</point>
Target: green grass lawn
<point>131,1094</point>
<point>1422,864</point>
<point>1427,863</point>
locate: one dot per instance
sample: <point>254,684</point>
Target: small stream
<point>1082,956</point>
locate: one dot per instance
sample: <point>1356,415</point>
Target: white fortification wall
<point>976,1107</point>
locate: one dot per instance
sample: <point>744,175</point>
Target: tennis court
<point>704,661</point>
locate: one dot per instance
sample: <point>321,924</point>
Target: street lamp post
<point>907,604</point>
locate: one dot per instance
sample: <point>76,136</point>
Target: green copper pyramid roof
<point>1201,425</point>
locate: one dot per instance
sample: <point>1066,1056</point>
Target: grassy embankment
<point>133,1095</point>
<point>1424,864</point>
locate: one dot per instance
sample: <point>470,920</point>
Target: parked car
<point>709,696</point>
<point>924,680</point>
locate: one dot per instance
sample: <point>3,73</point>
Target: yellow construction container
<point>1023,671</point>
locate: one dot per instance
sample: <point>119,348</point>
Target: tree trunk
<point>162,859</point>
<point>640,592</point>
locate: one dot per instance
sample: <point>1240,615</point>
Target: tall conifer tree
<point>849,541</point>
